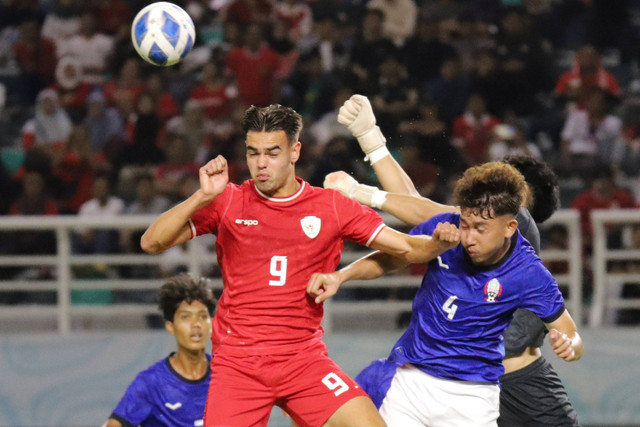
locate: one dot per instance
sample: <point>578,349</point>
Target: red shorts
<point>306,384</point>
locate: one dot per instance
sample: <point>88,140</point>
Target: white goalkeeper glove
<point>348,186</point>
<point>357,115</point>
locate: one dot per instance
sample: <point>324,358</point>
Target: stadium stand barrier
<point>607,279</point>
<point>64,282</point>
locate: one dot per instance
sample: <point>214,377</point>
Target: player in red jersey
<point>273,232</point>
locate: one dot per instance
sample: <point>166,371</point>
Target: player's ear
<point>295,152</point>
<point>169,327</point>
<point>512,226</point>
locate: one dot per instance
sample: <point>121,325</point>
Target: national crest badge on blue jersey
<point>311,226</point>
<point>492,290</point>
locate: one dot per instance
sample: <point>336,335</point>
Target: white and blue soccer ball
<point>163,33</point>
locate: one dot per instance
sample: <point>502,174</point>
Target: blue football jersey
<point>160,396</point>
<point>376,379</point>
<point>461,310</point>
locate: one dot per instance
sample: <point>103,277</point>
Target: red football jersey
<point>268,248</point>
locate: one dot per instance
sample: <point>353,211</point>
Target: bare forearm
<point>372,266</point>
<point>413,210</point>
<point>393,178</point>
<point>172,227</point>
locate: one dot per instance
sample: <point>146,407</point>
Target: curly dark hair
<point>490,190</point>
<point>543,185</point>
<point>271,119</point>
<point>184,287</point>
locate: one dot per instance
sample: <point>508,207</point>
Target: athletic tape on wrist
<point>377,154</point>
<point>378,198</point>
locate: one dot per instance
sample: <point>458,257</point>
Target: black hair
<point>543,185</point>
<point>184,287</point>
<point>273,118</point>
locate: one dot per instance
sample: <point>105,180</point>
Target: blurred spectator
<point>287,50</point>
<point>587,73</point>
<point>297,15</point>
<point>73,92</point>
<point>400,18</point>
<point>339,154</point>
<point>196,131</point>
<point>254,67</point>
<point>473,131</point>
<point>34,200</point>
<point>141,148</point>
<point>309,90</point>
<point>10,191</point>
<point>146,202</point>
<point>424,53</point>
<point>213,93</point>
<point>603,194</point>
<point>392,97</point>
<point>450,90</point>
<point>104,124</point>
<point>112,15</point>
<point>177,164</point>
<point>333,50</point>
<point>245,12</point>
<point>103,205</point>
<point>327,127</point>
<point>90,48</point>
<point>510,141</point>
<point>73,170</point>
<point>544,21</point>
<point>63,23</point>
<point>486,80</point>
<point>525,64</point>
<point>36,58</point>
<point>128,80</point>
<point>629,161</point>
<point>370,48</point>
<point>469,37</point>
<point>429,134</point>
<point>423,174</point>
<point>51,125</point>
<point>165,103</point>
<point>590,136</point>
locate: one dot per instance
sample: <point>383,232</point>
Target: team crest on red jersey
<point>492,290</point>
<point>311,226</point>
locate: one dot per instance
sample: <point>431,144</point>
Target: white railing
<point>572,255</point>
<point>607,284</point>
<point>64,260</point>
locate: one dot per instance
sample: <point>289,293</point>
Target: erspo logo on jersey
<point>247,221</point>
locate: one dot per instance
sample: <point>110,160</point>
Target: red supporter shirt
<point>588,201</point>
<point>255,74</point>
<point>267,249</point>
<point>216,102</point>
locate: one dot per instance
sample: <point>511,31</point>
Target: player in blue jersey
<point>173,391</point>
<point>449,360</point>
<point>531,391</point>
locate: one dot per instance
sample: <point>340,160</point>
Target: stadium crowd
<point>88,128</point>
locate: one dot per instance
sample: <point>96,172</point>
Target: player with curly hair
<point>173,391</point>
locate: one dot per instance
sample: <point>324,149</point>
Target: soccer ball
<point>162,33</point>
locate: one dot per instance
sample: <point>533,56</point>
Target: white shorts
<point>418,399</point>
